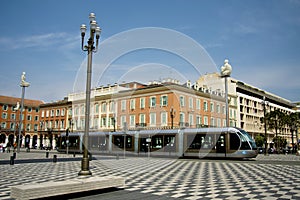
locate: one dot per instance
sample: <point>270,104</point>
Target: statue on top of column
<point>23,80</point>
<point>226,69</point>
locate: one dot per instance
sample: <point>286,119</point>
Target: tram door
<point>221,144</point>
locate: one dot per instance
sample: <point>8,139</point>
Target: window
<point>3,125</point>
<point>5,107</point>
<point>57,112</point>
<point>56,124</point>
<point>218,108</point>
<point>191,102</point>
<point>62,124</point>
<point>212,109</point>
<point>29,117</point>
<point>29,109</point>
<point>28,127</point>
<point>205,120</point>
<point>52,113</point>
<point>205,106</point>
<point>164,117</point>
<point>164,100</point>
<point>142,119</point>
<point>132,104</point>
<point>132,121</point>
<point>103,107</point>
<point>152,101</point>
<point>103,121</point>
<point>37,110</point>
<point>12,126</point>
<point>47,113</point>
<point>212,122</point>
<point>43,113</point>
<point>35,127</point>
<point>198,104</point>
<point>198,121</point>
<point>4,115</point>
<point>96,108</point>
<point>112,106</point>
<point>82,110</point>
<point>182,101</point>
<point>123,120</point>
<point>218,122</point>
<point>191,119</point>
<point>13,116</point>
<point>123,105</point>
<point>63,112</point>
<point>152,119</point>
<point>142,102</point>
<point>181,118</point>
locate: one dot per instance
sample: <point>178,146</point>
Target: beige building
<point>246,104</point>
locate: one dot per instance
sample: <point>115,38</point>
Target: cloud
<point>37,41</point>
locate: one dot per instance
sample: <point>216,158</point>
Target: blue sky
<point>259,37</point>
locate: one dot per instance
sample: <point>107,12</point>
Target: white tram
<point>189,142</point>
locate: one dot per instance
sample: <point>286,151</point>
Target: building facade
<point>246,104</point>
<point>55,118</point>
<point>162,105</point>
<point>10,121</point>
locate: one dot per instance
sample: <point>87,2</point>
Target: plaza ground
<point>266,177</point>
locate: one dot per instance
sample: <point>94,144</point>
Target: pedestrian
<point>8,147</point>
<point>15,146</point>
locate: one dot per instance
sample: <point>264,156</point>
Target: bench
<point>51,188</point>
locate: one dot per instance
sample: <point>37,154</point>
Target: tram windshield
<point>248,138</point>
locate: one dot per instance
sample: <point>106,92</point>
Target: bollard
<point>90,157</point>
<point>15,155</point>
<point>12,160</point>
<point>47,154</point>
<point>74,154</point>
<point>54,158</point>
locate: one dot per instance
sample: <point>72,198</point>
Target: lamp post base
<point>85,168</point>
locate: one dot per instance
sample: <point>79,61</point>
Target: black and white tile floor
<point>181,179</point>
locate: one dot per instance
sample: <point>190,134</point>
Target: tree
<point>259,140</point>
<point>293,122</point>
<point>275,120</point>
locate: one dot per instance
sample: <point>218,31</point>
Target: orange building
<point>55,118</point>
<point>158,106</point>
<point>10,121</point>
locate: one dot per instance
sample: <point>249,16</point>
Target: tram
<point>227,142</point>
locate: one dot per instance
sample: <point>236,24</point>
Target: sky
<point>143,40</point>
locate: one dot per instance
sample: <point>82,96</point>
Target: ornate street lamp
<point>226,70</point>
<point>90,48</point>
<point>172,115</point>
<point>23,84</point>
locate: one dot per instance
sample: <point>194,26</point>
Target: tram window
<point>234,141</point>
<point>194,141</point>
<point>207,142</point>
<point>129,142</point>
<point>245,144</point>
<point>118,141</point>
<point>157,141</point>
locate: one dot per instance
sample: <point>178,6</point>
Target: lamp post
<point>23,84</point>
<point>172,115</point>
<point>265,103</point>
<point>226,70</point>
<point>90,48</point>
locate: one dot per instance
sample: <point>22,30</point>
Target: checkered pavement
<point>179,179</point>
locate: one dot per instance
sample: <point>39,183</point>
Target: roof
<point>13,101</point>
